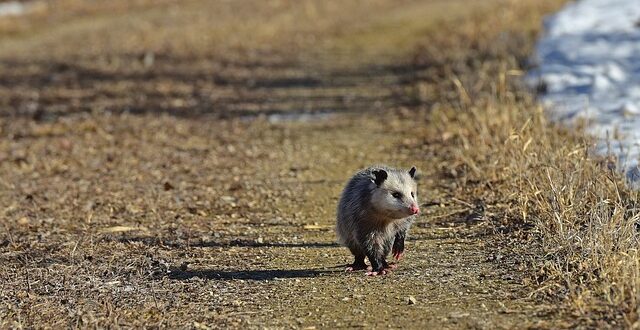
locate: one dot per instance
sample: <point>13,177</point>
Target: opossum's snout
<point>395,204</point>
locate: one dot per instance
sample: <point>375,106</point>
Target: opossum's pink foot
<point>398,255</point>
<point>391,266</point>
<point>356,267</point>
<point>381,272</point>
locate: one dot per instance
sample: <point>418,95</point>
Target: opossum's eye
<point>397,194</point>
<point>413,195</point>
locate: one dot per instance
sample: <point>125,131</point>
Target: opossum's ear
<point>381,175</point>
<point>412,172</point>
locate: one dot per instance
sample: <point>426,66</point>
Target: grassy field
<point>178,164</point>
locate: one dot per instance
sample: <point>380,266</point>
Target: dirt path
<point>219,211</point>
<point>452,271</point>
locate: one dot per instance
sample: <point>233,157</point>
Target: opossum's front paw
<point>390,266</point>
<point>356,267</point>
<point>376,273</point>
<point>398,255</point>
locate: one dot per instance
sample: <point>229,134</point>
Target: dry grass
<point>585,218</point>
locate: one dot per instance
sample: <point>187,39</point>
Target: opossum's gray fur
<point>372,230</point>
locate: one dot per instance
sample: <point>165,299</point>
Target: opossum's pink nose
<point>414,209</point>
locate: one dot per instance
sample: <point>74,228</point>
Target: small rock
<point>23,221</point>
<point>235,186</point>
<point>495,257</point>
<point>148,59</point>
<point>457,315</point>
<point>412,300</point>
<point>228,199</point>
<point>167,186</point>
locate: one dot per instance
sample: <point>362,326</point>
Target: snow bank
<point>12,8</point>
<point>589,69</point>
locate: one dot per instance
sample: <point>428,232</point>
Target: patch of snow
<point>12,8</point>
<point>293,116</point>
<point>589,68</point>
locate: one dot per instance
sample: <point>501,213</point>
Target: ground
<point>179,165</point>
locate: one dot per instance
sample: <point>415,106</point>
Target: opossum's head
<point>395,194</point>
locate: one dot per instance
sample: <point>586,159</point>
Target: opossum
<point>376,209</point>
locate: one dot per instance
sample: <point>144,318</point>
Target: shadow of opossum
<point>176,243</point>
<point>256,275</point>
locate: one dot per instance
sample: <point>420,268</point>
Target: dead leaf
<point>121,229</point>
<point>317,227</point>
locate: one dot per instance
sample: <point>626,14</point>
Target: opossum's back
<point>356,195</point>
<point>354,201</point>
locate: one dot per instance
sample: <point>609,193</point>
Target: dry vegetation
<point>584,216</point>
<point>151,175</point>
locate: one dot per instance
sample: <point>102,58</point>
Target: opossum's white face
<point>396,194</point>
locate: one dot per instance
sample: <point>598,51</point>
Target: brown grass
<point>585,217</point>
